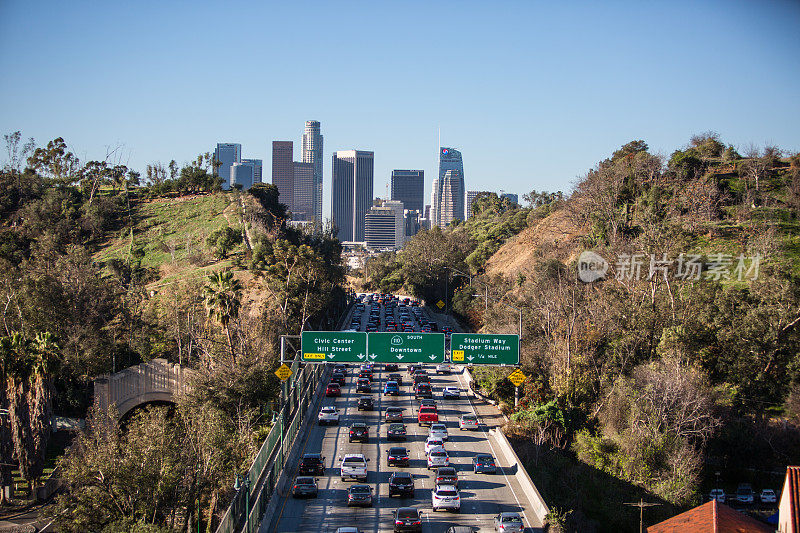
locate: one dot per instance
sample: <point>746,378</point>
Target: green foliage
<point>223,240</point>
<point>686,163</point>
<point>629,150</point>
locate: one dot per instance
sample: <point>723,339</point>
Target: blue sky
<point>532,93</point>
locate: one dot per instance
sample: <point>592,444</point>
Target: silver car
<point>509,522</point>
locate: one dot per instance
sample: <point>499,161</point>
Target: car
<point>483,463</point>
<point>395,377</point>
<point>397,456</point>
<point>347,530</point>
<point>468,422</point>
<point>312,464</point>
<point>451,392</point>
<point>443,368</point>
<point>717,494</point>
<point>363,385</point>
<point>460,529</point>
<point>391,388</point>
<point>413,368</point>
<point>366,403</point>
<point>354,465</point>
<point>365,374</point>
<point>338,378</point>
<point>509,522</point>
<point>429,403</point>
<point>768,496</point>
<point>425,329</point>
<point>446,475</point>
<point>391,367</point>
<point>420,376</point>
<point>438,431</point>
<point>369,367</point>
<point>394,414</point>
<point>304,487</point>
<point>333,389</point>
<point>437,458</point>
<point>445,497</point>
<point>744,493</point>
<point>359,495</point>
<point>359,432</point>
<point>396,432</point>
<point>433,443</point>
<point>402,484</point>
<point>423,390</point>
<point>328,415</point>
<point>407,519</point>
<point>340,367</point>
<point>427,415</point>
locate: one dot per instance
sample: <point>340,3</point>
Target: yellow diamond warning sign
<point>283,372</point>
<point>440,304</point>
<point>517,377</point>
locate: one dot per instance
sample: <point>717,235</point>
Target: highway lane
<point>482,496</point>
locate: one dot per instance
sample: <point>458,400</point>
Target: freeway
<point>482,495</point>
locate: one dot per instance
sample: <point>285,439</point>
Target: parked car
<point>359,432</point>
<point>365,403</point>
<point>438,431</point>
<point>407,519</point>
<point>312,464</point>
<point>468,422</point>
<point>768,496</point>
<point>437,458</point>
<point>509,522</point>
<point>354,465</point>
<point>333,389</point>
<point>402,484</point>
<point>445,497</point>
<point>717,494</point>
<point>396,432</point>
<point>446,475</point>
<point>359,495</point>
<point>394,414</point>
<point>328,415</point>
<point>451,392</point>
<point>397,456</point>
<point>483,463</point>
<point>744,493</point>
<point>304,487</point>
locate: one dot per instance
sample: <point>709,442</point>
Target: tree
<point>222,298</point>
<point>17,153</point>
<point>55,162</point>
<point>223,240</point>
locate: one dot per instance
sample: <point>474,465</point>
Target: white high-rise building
<point>226,154</point>
<point>312,153</point>
<point>447,196</point>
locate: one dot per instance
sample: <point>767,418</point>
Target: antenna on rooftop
<point>641,504</point>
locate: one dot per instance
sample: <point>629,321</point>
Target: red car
<point>333,390</point>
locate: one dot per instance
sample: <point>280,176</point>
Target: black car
<point>397,457</point>
<point>423,390</point>
<point>402,484</point>
<point>365,374</point>
<point>312,464</point>
<point>304,487</point>
<point>407,519</point>
<point>395,377</point>
<point>412,369</point>
<point>394,414</point>
<point>338,378</point>
<point>359,432</point>
<point>359,495</point>
<point>390,367</point>
<point>396,432</point>
<point>363,385</point>
<point>366,403</point>
<point>340,368</point>
<point>446,475</point>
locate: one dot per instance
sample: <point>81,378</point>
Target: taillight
<point>418,522</point>
<point>398,522</point>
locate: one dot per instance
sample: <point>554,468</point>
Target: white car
<point>717,494</point>
<point>451,392</point>
<point>438,458</point>
<point>445,497</point>
<point>438,431</point>
<point>443,368</point>
<point>354,465</point>
<point>328,415</point>
<point>433,443</point>
<point>468,422</point>
<point>768,496</point>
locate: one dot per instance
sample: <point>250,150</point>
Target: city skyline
<point>352,182</point>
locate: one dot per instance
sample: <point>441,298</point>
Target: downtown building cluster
<point>374,223</point>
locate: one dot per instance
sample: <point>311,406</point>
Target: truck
<point>427,415</point>
<point>354,466</point>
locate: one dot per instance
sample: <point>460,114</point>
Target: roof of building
<point>711,517</point>
<point>792,485</point>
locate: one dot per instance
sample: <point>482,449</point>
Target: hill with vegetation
<point>675,371</point>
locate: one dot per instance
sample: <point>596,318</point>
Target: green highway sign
<point>406,347</point>
<point>334,346</point>
<point>480,349</point>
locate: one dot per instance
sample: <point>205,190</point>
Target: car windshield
<point>469,418</point>
<point>353,460</point>
<point>434,442</point>
<point>446,492</point>
<point>512,519</point>
<point>311,459</point>
<point>402,477</point>
<point>484,459</point>
<point>438,427</point>
<point>438,453</point>
<point>359,489</point>
<point>397,427</point>
<point>407,513</point>
<point>394,410</point>
<point>305,481</point>
<point>447,471</point>
<point>329,409</point>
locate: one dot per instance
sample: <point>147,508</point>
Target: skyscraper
<point>303,191</point>
<point>283,171</point>
<point>226,154</point>
<point>352,192</point>
<point>312,153</point>
<point>243,174</point>
<point>384,226</point>
<point>513,198</point>
<point>408,186</point>
<point>258,165</point>
<point>447,196</point>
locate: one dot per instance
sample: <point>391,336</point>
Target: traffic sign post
<point>517,377</point>
<point>480,349</point>
<point>333,346</point>
<point>283,372</point>
<point>405,347</point>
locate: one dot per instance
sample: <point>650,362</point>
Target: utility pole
<point>641,504</point>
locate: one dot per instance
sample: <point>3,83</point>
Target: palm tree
<point>222,299</point>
